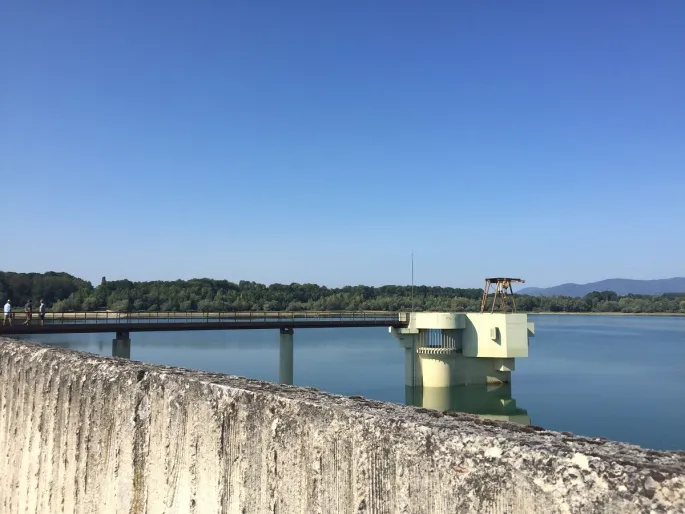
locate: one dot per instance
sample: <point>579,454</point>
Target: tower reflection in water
<point>487,401</point>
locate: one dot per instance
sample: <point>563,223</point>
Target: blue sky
<point>323,141</point>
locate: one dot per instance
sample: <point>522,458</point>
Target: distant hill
<point>622,286</point>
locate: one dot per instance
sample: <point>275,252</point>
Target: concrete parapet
<point>84,434</point>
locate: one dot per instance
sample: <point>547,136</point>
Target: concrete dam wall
<point>86,434</point>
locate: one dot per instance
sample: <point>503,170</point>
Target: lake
<point>619,377</point>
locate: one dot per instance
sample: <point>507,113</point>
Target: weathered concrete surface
<point>83,434</point>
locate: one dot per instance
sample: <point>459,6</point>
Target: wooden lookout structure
<point>503,293</point>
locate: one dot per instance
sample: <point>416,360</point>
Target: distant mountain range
<point>622,286</point>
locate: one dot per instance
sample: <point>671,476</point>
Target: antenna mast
<point>412,280</point>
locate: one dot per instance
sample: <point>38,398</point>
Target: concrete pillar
<point>436,366</point>
<point>485,401</point>
<point>436,398</point>
<point>412,370</point>
<point>121,346</point>
<point>409,365</point>
<point>286,358</point>
<point>412,396</point>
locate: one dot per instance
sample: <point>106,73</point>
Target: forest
<point>63,293</point>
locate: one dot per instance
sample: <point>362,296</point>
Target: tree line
<point>63,292</point>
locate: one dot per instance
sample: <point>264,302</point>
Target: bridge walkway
<point>98,322</point>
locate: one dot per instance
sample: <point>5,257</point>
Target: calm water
<point>617,377</point>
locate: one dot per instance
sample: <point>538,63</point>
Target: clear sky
<point>323,141</point>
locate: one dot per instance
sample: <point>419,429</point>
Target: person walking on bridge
<point>8,314</point>
<point>28,310</point>
<point>41,312</point>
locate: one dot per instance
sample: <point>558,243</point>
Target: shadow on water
<point>490,402</point>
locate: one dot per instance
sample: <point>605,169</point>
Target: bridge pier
<point>286,356</point>
<point>121,345</point>
<point>452,349</point>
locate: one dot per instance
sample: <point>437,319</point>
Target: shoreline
<point>103,315</point>
<point>655,314</point>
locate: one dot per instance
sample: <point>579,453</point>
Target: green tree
<point>67,293</point>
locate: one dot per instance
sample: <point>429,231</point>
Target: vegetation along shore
<point>64,293</point>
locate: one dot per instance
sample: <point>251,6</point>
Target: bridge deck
<point>90,322</point>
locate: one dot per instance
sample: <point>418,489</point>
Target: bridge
<point>126,322</point>
<point>123,323</point>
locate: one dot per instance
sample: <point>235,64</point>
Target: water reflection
<point>491,401</point>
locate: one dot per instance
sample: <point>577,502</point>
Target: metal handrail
<point>108,317</point>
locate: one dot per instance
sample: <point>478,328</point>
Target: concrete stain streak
<point>87,434</point>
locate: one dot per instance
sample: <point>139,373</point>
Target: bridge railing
<point>64,318</point>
